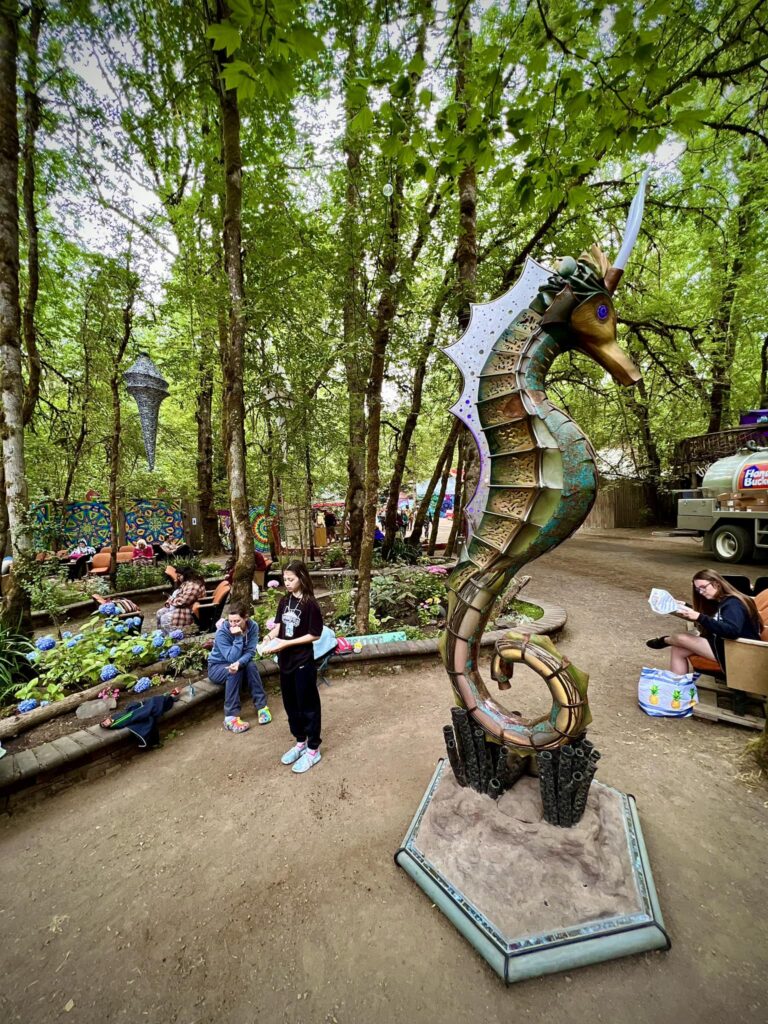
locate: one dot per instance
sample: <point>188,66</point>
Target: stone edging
<point>42,767</point>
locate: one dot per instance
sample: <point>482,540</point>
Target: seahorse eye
<point>602,312</point>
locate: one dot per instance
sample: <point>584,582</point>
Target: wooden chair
<point>124,554</point>
<point>207,613</point>
<point>100,563</point>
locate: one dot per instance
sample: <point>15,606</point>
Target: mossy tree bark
<point>16,603</point>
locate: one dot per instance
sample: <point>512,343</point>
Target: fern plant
<point>15,670</point>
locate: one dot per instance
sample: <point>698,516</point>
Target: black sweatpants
<point>301,700</point>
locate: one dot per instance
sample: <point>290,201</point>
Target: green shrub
<point>341,594</point>
<point>132,576</point>
<point>336,558</point>
<point>401,592</point>
<point>14,666</point>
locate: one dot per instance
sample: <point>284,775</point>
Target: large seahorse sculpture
<point>538,478</point>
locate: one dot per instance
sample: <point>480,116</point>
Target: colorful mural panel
<point>153,521</point>
<point>260,527</point>
<point>88,519</point>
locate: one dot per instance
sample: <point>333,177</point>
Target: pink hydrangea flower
<point>272,584</point>
<point>270,623</point>
<point>438,570</point>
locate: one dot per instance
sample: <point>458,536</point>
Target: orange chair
<point>206,613</point>
<point>124,554</point>
<point>100,563</point>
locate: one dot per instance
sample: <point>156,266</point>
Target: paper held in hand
<point>662,602</point>
<point>265,647</point>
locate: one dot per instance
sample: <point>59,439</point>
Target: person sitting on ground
<point>176,613</point>
<point>142,550</point>
<point>735,617</point>
<point>231,661</point>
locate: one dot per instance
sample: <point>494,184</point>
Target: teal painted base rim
<point>516,959</point>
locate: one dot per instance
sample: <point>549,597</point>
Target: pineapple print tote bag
<point>665,694</point>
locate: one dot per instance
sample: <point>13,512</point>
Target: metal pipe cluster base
<point>579,939</point>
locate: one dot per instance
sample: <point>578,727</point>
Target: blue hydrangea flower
<point>112,652</point>
<point>107,673</point>
<point>157,632</point>
<point>158,641</point>
<point>177,634</point>
<point>142,684</point>
<point>72,642</point>
<point>120,628</point>
<point>100,648</point>
<point>137,649</point>
<point>67,634</point>
<point>33,657</point>
<point>110,608</point>
<point>27,705</point>
<point>44,703</point>
<point>45,643</point>
<point>174,652</point>
<point>144,636</point>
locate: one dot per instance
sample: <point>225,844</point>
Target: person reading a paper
<point>720,613</point>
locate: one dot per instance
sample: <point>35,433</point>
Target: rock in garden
<point>96,708</point>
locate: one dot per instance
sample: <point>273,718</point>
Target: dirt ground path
<point>205,883</point>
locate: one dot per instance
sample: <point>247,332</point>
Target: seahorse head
<point>579,312</point>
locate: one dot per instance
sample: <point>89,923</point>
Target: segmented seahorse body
<point>538,480</point>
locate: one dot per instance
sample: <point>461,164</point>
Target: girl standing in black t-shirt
<point>298,623</point>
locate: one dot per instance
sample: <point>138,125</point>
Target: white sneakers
<point>301,757</point>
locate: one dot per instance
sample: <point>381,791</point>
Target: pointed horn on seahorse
<point>631,231</point>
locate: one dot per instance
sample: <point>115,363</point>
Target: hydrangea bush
<point>106,651</point>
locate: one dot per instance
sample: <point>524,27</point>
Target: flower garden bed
<point>59,752</point>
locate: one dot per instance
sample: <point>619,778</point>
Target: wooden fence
<point>621,504</point>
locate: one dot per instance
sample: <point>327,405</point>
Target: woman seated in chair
<point>78,559</point>
<point>170,548</point>
<point>176,613</point>
<point>142,550</point>
<point>734,617</point>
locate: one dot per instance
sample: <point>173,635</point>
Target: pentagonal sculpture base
<point>533,898</point>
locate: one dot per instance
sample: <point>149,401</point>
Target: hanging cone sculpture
<point>148,387</point>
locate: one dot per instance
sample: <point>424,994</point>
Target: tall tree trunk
<point>423,510</point>
<point>466,248</point>
<point>310,512</point>
<point>16,603</point>
<point>445,476</point>
<point>763,400</point>
<point>724,328</point>
<point>404,442</point>
<point>353,316</point>
<point>204,417</point>
<point>32,108</point>
<point>114,447</point>
<point>233,354</point>
<point>458,499</point>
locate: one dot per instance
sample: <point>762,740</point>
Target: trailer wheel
<point>731,543</point>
